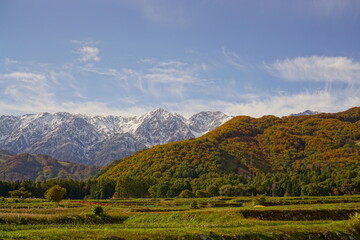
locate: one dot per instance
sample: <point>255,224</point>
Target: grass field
<point>208,218</point>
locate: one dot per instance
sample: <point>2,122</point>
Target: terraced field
<point>207,218</point>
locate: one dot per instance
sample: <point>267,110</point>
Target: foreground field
<point>210,218</point>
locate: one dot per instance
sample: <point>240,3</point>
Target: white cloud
<point>90,108</point>
<point>27,92</point>
<point>318,69</point>
<point>47,89</point>
<point>278,105</point>
<point>85,43</point>
<point>25,87</point>
<point>88,53</point>
<point>25,77</point>
<point>174,85</point>
<point>157,78</point>
<point>9,61</point>
<point>169,75</point>
<point>233,59</point>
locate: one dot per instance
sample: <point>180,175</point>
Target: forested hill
<point>38,167</point>
<point>248,146</point>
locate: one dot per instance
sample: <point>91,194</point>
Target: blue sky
<point>127,57</point>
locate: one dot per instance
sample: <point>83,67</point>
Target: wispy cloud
<point>234,59</point>
<point>156,78</point>
<point>172,72</point>
<point>29,92</point>
<point>25,87</point>
<point>57,88</point>
<point>160,11</point>
<point>334,8</point>
<point>25,77</point>
<point>177,85</point>
<point>85,42</point>
<point>278,105</point>
<point>90,108</point>
<point>318,69</point>
<point>9,61</point>
<point>89,54</point>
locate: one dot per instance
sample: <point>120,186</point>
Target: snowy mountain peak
<point>100,139</point>
<point>307,112</point>
<point>204,122</point>
<point>159,111</point>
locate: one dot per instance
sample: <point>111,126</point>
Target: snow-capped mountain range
<point>99,140</point>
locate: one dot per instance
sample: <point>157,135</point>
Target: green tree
<point>213,190</point>
<point>127,187</point>
<point>97,210</point>
<point>55,193</point>
<point>186,194</point>
<point>21,193</point>
<point>231,191</point>
<point>202,194</point>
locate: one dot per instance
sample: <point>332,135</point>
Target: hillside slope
<point>4,155</point>
<point>42,167</point>
<point>249,146</point>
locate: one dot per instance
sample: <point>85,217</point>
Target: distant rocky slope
<point>99,140</point>
<point>42,167</point>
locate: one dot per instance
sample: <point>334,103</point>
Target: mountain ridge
<point>98,140</point>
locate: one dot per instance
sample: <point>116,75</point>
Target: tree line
<point>299,182</point>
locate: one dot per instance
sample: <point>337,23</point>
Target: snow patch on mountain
<point>99,140</point>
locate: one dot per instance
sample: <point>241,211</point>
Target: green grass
<point>134,219</point>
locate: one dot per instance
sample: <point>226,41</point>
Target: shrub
<point>97,210</point>
<point>287,194</point>
<point>55,193</point>
<point>202,194</point>
<point>354,222</point>
<point>233,190</point>
<point>213,190</point>
<point>194,205</point>
<point>259,200</point>
<point>186,194</point>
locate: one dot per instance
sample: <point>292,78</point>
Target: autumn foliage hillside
<point>42,167</point>
<point>252,146</point>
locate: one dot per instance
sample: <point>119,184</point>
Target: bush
<point>55,193</point>
<point>259,200</point>
<point>213,190</point>
<point>287,194</point>
<point>202,194</point>
<point>97,210</point>
<point>233,190</point>
<point>186,194</point>
<point>354,222</point>
<point>194,205</point>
